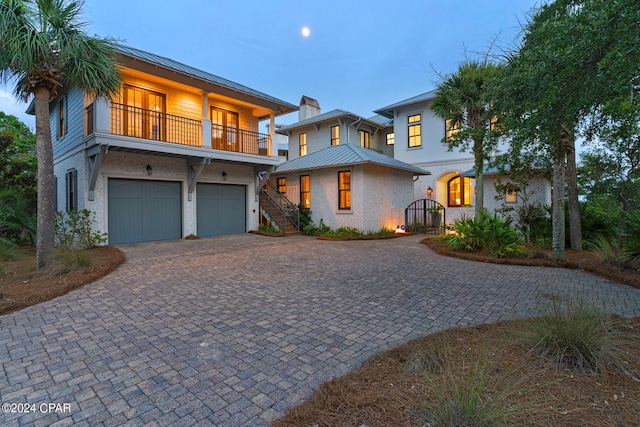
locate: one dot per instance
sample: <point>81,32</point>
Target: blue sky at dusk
<point>359,56</point>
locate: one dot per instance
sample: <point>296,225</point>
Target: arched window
<point>460,190</point>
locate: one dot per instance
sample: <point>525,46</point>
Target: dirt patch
<point>21,285</point>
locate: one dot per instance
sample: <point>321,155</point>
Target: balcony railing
<point>242,141</point>
<point>156,125</point>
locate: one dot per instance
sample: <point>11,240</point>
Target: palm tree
<point>44,47</point>
<point>460,100</point>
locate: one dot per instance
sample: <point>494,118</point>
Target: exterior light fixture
<point>430,192</point>
<point>224,176</point>
<point>149,170</point>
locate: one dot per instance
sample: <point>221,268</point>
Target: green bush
<point>342,232</point>
<point>631,245</point>
<point>305,217</point>
<point>74,231</point>
<point>597,223</point>
<point>68,260</point>
<point>576,336</point>
<point>491,234</point>
<point>17,220</point>
<point>534,224</point>
<point>268,229</point>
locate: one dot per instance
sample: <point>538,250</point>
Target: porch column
<point>102,111</point>
<point>206,122</point>
<point>270,142</point>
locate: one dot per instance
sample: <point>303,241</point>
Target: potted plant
<point>436,215</point>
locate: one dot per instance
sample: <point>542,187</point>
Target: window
<point>335,135</point>
<point>415,130</point>
<point>460,191</point>
<point>302,139</point>
<point>282,185</point>
<point>144,113</point>
<point>224,129</point>
<point>511,196</point>
<point>391,138</point>
<point>305,191</point>
<point>62,117</point>
<point>71,187</point>
<point>344,190</point>
<point>451,129</point>
<point>365,139</point>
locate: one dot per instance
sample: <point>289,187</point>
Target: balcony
<point>125,120</point>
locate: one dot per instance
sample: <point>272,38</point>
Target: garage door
<point>221,209</point>
<point>142,211</point>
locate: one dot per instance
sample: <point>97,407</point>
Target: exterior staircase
<point>278,210</point>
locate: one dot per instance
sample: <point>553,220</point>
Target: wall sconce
<point>149,170</point>
<point>224,176</point>
<point>430,192</point>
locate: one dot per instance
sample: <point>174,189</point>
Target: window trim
<point>367,138</point>
<point>414,122</point>
<point>392,139</point>
<point>335,139</point>
<point>344,190</point>
<point>463,195</point>
<point>301,137</point>
<point>307,192</point>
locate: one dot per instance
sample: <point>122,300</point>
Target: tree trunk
<point>557,213</point>
<point>45,235</point>
<point>575,223</point>
<point>479,168</point>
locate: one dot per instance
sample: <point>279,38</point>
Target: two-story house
<point>178,151</point>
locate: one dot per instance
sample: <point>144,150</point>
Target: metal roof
<point>330,115</point>
<point>345,154</point>
<point>187,70</point>
<point>388,110</point>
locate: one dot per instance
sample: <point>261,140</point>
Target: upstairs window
<point>414,130</point>
<point>365,139</point>
<point>391,139</point>
<point>511,196</point>
<point>302,142</point>
<point>344,190</point>
<point>460,191</point>
<point>451,129</point>
<point>335,135</point>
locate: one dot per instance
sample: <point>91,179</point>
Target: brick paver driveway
<point>231,331</point>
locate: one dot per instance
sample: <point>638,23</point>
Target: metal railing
<point>155,125</point>
<point>425,216</point>
<point>241,141</point>
<point>284,205</point>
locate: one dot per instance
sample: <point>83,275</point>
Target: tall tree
<point>576,57</point>
<point>44,47</point>
<point>461,101</point>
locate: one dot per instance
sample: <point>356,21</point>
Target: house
<point>419,135</point>
<point>346,185</point>
<point>178,152</point>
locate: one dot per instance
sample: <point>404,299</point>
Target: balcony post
<point>271,126</point>
<point>102,115</point>
<point>206,122</point>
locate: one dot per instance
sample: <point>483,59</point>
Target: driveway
<point>233,330</point>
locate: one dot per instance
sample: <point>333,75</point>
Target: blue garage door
<point>142,211</point>
<point>221,209</point>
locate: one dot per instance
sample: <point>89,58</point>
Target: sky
<point>359,55</point>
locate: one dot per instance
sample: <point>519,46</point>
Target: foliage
<point>44,46</point>
<point>491,234</point>
<point>342,232</point>
<point>68,260</point>
<point>270,229</point>
<point>384,231</point>
<point>461,101</point>
<point>305,216</point>
<point>606,250</point>
<point>8,250</point>
<point>631,246</point>
<point>18,162</point>
<point>597,223</point>
<point>313,230</point>
<point>577,336</point>
<point>74,230</point>
<point>17,219</point>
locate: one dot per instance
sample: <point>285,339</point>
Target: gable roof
<point>325,117</point>
<point>389,109</point>
<point>343,155</point>
<point>186,70</point>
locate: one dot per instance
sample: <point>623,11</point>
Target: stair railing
<point>284,205</point>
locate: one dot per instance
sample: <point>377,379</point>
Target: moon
<point>305,31</point>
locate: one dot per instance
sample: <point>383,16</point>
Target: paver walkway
<point>231,331</point>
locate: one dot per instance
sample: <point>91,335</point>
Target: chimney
<point>309,107</point>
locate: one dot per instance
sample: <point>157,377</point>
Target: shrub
<point>17,220</point>
<point>342,232</point>
<point>268,229</point>
<point>305,217</point>
<point>69,260</point>
<point>491,234</point>
<point>534,224</point>
<point>74,231</point>
<point>576,336</point>
<point>597,223</point>
<point>605,249</point>
<point>631,246</point>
